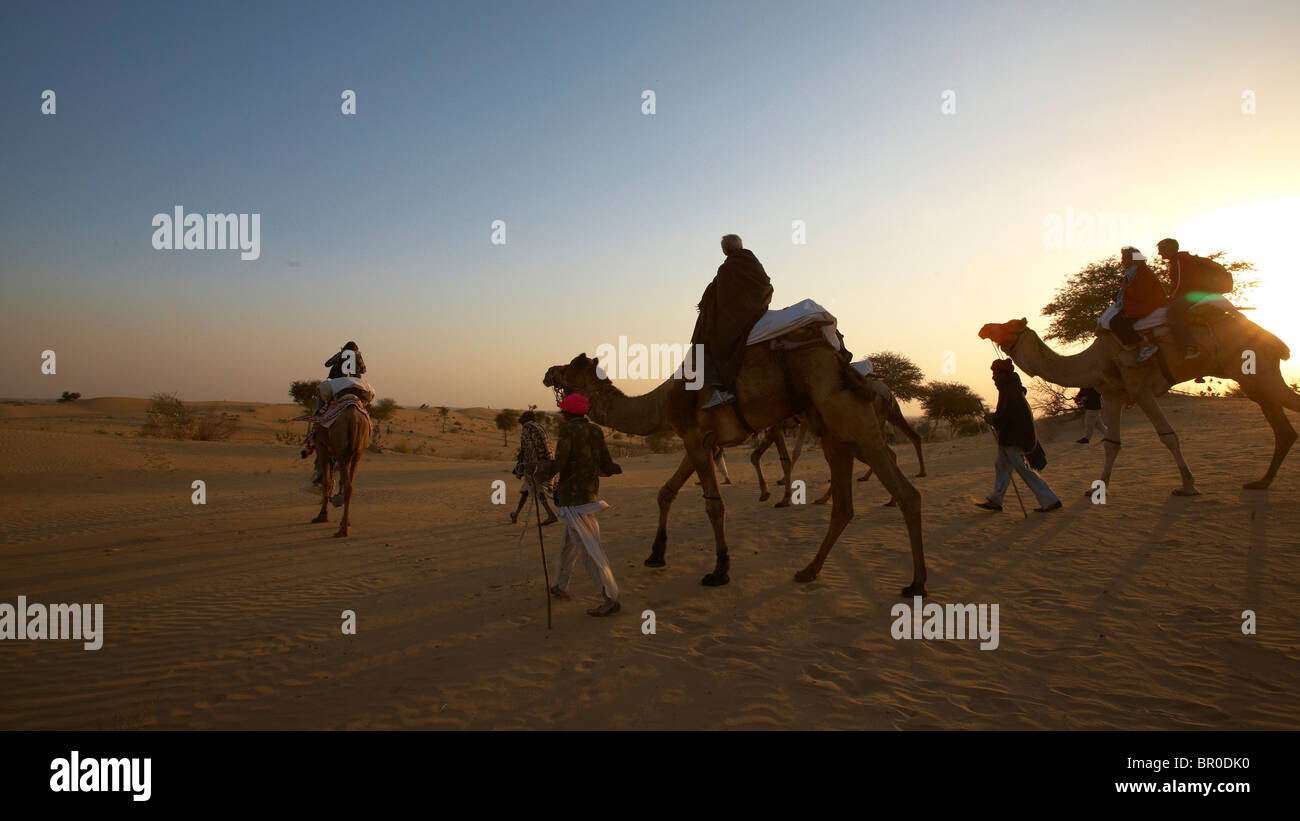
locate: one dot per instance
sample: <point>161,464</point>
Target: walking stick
<point>546,573</point>
<point>1012,474</point>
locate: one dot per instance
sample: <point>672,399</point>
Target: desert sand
<point>227,615</point>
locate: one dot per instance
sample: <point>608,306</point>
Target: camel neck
<point>1084,369</point>
<point>638,415</point>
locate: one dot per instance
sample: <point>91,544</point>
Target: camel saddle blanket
<point>1157,317</point>
<point>778,323</point>
<point>328,416</point>
<point>331,388</point>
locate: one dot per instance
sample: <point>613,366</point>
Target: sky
<point>926,148</point>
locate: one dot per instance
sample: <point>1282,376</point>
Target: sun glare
<point>1263,233</point>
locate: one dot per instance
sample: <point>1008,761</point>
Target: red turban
<point>574,403</point>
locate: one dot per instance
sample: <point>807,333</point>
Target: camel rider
<point>581,458</point>
<point>531,460</point>
<point>736,299</point>
<point>1183,273</point>
<point>345,365</point>
<point>1140,294</point>
<point>1014,423</point>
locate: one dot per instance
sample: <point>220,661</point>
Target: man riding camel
<point>346,368</point>
<point>736,299</point>
<point>1140,294</point>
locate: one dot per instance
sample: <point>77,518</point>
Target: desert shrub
<point>168,418</point>
<point>383,410</point>
<point>1051,400</point>
<point>68,396</point>
<point>215,427</point>
<point>402,447</point>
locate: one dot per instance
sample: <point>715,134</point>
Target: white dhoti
<point>582,536</point>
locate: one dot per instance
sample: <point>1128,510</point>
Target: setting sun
<point>1262,233</point>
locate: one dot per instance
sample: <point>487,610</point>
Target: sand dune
<point>227,615</point>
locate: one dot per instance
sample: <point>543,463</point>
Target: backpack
<point>1212,276</point>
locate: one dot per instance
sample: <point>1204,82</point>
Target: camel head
<point>579,376</point>
<point>1005,334</point>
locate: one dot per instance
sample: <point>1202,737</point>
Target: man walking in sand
<point>533,455</point>
<point>1014,423</point>
<point>581,458</point>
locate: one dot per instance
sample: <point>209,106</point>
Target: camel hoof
<point>914,589</point>
<point>821,501</point>
<point>890,503</point>
<point>920,475</point>
<point>864,478</point>
<point>655,561</point>
<point>1182,491</point>
<point>780,482</point>
<point>765,497</point>
<point>321,518</point>
<point>806,575</point>
<point>715,580</point>
<point>782,503</point>
<point>338,534</point>
<point>1259,484</point>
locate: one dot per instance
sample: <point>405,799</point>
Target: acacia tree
<point>1079,303</point>
<point>951,402</point>
<point>901,374</point>
<point>507,420</point>
<point>303,392</point>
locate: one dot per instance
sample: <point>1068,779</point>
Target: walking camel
<point>887,410</point>
<point>808,377</point>
<point>342,443</point>
<point>1227,340</point>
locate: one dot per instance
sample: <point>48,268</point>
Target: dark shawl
<point>736,299</point>
<point>1013,419</point>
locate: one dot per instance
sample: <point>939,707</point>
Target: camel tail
<point>895,417</point>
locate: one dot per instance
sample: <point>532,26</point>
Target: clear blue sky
<point>921,227</point>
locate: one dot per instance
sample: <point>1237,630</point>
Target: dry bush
<point>168,418</point>
<point>216,427</point>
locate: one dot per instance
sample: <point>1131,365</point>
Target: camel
<point>343,442</point>
<point>799,376</point>
<point>1227,340</point>
<point>887,410</point>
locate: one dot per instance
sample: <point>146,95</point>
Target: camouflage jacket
<point>581,458</point>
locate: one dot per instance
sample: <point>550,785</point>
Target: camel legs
<point>787,465</point>
<point>1112,415</point>
<point>326,466</point>
<point>347,471</point>
<point>843,416</point>
<point>839,456</point>
<point>666,495</point>
<point>698,450</point>
<point>1273,396</point>
<point>756,457</point>
<point>1169,439</point>
<point>1284,437</point>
